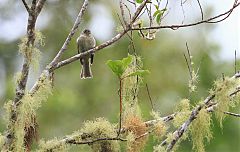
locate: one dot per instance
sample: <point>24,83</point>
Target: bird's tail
<point>86,70</point>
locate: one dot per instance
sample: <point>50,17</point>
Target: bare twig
<point>26,6</point>
<point>235,61</point>
<point>209,20</point>
<point>232,114</point>
<point>200,7</point>
<point>123,13</point>
<point>149,96</point>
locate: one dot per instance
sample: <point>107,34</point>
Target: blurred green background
<point>75,101</point>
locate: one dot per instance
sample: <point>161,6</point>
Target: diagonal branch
<point>70,35</point>
<point>26,6</point>
<point>39,6</point>
<point>183,128</point>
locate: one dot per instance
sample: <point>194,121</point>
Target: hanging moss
<point>31,51</point>
<point>1,140</point>
<point>200,130</point>
<point>100,128</point>
<point>130,88</point>
<point>27,113</point>
<point>160,128</point>
<point>223,88</point>
<point>159,148</point>
<point>183,112</point>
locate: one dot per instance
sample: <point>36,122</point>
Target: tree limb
<point>183,128</point>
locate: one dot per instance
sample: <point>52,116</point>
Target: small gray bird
<point>85,42</point>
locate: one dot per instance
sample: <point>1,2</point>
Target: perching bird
<point>85,42</point>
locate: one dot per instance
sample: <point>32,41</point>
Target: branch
<point>74,139</point>
<point>26,6</point>
<point>209,20</point>
<point>39,6</point>
<point>183,128</point>
<point>21,85</point>
<point>91,141</point>
<point>232,114</point>
<point>70,35</point>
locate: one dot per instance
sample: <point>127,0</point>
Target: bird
<point>85,42</point>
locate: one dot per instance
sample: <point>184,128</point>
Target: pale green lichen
<point>183,112</point>
<point>201,129</point>
<point>159,148</point>
<point>27,111</point>
<point>160,128</point>
<point>130,89</point>
<point>223,88</point>
<point>193,81</point>
<point>1,140</point>
<point>100,128</point>
<point>130,140</point>
<point>54,145</point>
<point>31,51</point>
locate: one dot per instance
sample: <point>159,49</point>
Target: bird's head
<point>87,31</point>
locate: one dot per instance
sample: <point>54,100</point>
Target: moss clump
<point>1,140</point>
<point>223,88</point>
<point>183,112</point>
<point>135,127</point>
<point>31,51</point>
<point>201,129</point>
<point>54,145</point>
<point>159,148</point>
<point>160,128</point>
<point>100,128</point>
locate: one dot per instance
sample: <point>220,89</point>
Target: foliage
<point>119,67</point>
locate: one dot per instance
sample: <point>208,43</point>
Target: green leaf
<point>158,18</point>
<point>118,67</point>
<point>156,6</point>
<point>139,1</point>
<point>139,73</point>
<point>156,13</point>
<point>126,61</point>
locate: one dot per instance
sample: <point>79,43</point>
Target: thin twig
<point>209,20</point>
<point>235,62</point>
<point>232,114</point>
<point>149,96</point>
<point>200,7</point>
<point>26,6</point>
